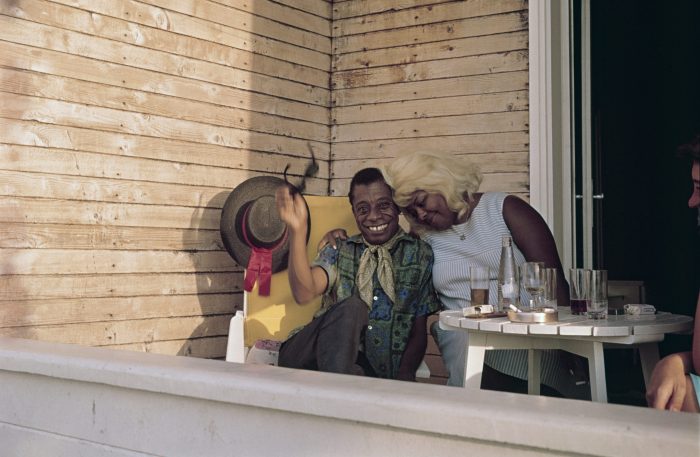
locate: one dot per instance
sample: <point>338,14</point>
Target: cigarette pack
<point>639,310</point>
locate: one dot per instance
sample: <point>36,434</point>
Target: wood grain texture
<point>125,125</point>
<point>123,128</point>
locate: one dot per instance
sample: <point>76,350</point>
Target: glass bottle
<point>508,281</point>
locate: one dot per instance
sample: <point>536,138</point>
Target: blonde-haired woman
<point>438,196</point>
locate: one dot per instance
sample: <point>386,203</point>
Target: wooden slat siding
<point>38,35</point>
<point>437,12</point>
<point>224,15</point>
<point>319,8</point>
<point>158,182</point>
<point>59,311</point>
<point>107,119</point>
<point>132,151</point>
<point>17,288</point>
<point>108,190</point>
<point>65,162</point>
<point>42,211</point>
<point>458,144</point>
<point>124,332</point>
<point>64,89</point>
<point>94,261</point>
<point>280,12</point>
<point>74,236</point>
<point>344,9</point>
<point>181,24</point>
<point>503,162</point>
<point>419,109</point>
<point>428,90</point>
<point>123,128</point>
<point>464,47</point>
<point>421,71</point>
<point>428,33</point>
<point>210,348</point>
<point>83,68</point>
<point>153,38</point>
<point>437,126</point>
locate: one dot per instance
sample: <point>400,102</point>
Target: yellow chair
<point>274,316</point>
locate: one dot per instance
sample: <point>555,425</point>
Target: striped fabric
<point>481,247</point>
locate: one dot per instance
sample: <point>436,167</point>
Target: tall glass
<point>579,285</point>
<point>479,278</point>
<point>550,288</point>
<point>532,277</point>
<point>598,303</point>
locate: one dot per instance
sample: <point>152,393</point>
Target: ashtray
<point>538,316</point>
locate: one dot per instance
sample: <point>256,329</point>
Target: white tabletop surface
<point>636,328</point>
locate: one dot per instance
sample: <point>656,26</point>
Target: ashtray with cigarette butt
<point>537,315</point>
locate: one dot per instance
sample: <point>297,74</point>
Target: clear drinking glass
<point>479,284</point>
<point>579,285</point>
<point>532,274</point>
<point>550,288</point>
<point>598,303</point>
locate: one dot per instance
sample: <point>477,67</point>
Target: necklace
<point>463,235</point>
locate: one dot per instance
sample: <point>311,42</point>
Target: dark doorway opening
<point>645,85</point>
<point>645,101</point>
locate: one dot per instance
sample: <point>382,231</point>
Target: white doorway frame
<point>551,121</point>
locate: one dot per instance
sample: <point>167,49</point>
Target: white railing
<point>63,400</point>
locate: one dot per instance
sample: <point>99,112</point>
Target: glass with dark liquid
<point>578,306</point>
<point>579,285</point>
<point>480,297</point>
<point>479,278</point>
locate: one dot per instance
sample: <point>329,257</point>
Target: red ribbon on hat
<point>260,263</point>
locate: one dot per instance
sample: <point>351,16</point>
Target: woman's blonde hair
<point>455,178</point>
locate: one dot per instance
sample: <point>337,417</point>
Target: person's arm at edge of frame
<point>535,240</point>
<point>668,386</point>
<point>306,282</point>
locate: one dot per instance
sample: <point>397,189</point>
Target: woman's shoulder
<point>490,202</point>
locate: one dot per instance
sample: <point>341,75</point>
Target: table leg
<point>648,356</point>
<point>474,367</point>
<point>533,371</point>
<point>596,370</point>
<point>593,351</point>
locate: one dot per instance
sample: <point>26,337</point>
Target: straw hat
<point>252,231</point>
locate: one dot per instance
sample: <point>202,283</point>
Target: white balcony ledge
<point>70,400</point>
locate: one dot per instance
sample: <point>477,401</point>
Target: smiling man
<point>377,289</point>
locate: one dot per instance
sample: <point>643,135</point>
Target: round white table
<point>572,333</point>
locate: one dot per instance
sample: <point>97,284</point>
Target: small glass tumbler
<point>579,285</point>
<point>479,284</point>
<point>550,288</point>
<point>598,301</point>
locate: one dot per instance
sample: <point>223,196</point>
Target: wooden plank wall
<point>441,76</point>
<point>123,127</point>
<point>433,75</point>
